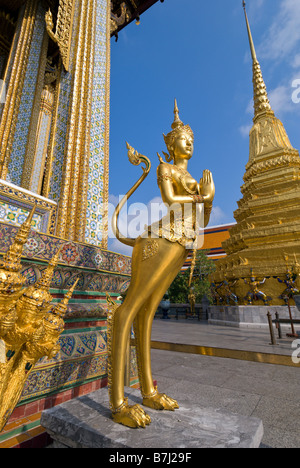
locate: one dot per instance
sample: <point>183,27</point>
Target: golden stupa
<point>264,245</point>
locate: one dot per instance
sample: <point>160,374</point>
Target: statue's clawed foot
<point>131,416</point>
<point>160,401</point>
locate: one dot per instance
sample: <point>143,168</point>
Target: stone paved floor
<point>267,391</point>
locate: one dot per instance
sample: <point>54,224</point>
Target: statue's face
<point>183,146</point>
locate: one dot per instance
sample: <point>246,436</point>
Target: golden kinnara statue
<point>157,257</point>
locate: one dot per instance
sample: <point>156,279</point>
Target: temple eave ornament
<point>63,32</point>
<point>7,28</point>
<point>117,21</point>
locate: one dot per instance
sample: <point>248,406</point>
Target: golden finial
<point>177,127</point>
<point>177,122</point>
<point>261,100</point>
<point>252,48</point>
<point>45,281</point>
<point>61,308</point>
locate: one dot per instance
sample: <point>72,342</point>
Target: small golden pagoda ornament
<point>267,219</point>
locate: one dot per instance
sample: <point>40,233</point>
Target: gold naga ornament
<point>11,280</point>
<point>29,329</point>
<point>158,255</point>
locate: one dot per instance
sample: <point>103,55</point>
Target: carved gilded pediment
<point>63,32</point>
<point>267,135</point>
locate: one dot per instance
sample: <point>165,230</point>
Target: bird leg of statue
<point>158,256</point>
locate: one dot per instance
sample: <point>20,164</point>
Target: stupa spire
<point>261,101</point>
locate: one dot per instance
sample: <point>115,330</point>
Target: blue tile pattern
<point>16,163</point>
<point>94,217</point>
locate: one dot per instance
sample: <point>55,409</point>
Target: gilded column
<point>78,153</point>
<point>72,212</point>
<point>49,190</point>
<point>39,152</point>
<point>31,163</point>
<point>97,200</point>
<point>15,84</point>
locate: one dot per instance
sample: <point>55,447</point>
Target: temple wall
<point>26,110</point>
<point>61,153</point>
<point>54,154</point>
<point>96,216</point>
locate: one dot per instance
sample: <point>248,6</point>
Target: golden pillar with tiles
<point>54,128</point>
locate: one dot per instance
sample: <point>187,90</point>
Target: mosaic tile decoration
<point>17,216</point>
<point>133,366</point>
<point>79,343</point>
<point>15,167</point>
<point>82,356</point>
<point>62,118</point>
<point>16,201</point>
<point>60,135</point>
<point>43,247</point>
<point>41,147</point>
<point>96,186</point>
<point>64,375</point>
<point>64,277</point>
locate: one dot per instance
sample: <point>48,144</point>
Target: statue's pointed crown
<point>12,258</point>
<point>177,122</point>
<point>177,127</point>
<point>61,308</point>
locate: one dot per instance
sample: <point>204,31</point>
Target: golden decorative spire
<point>261,101</point>
<point>11,261</point>
<point>61,308</point>
<point>177,127</point>
<point>45,281</point>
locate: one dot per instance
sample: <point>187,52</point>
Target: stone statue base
<point>248,316</point>
<point>85,422</point>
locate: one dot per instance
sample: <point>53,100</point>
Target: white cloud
<point>245,130</point>
<point>116,246</point>
<point>282,39</point>
<point>296,61</point>
<point>281,99</point>
<point>133,220</point>
<point>254,6</point>
<point>218,217</point>
<point>280,45</point>
<point>282,102</point>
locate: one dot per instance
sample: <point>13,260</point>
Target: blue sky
<point>198,52</point>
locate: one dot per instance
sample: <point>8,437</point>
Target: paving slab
<point>85,422</point>
<point>193,332</point>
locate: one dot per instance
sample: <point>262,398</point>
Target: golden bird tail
<point>136,159</point>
